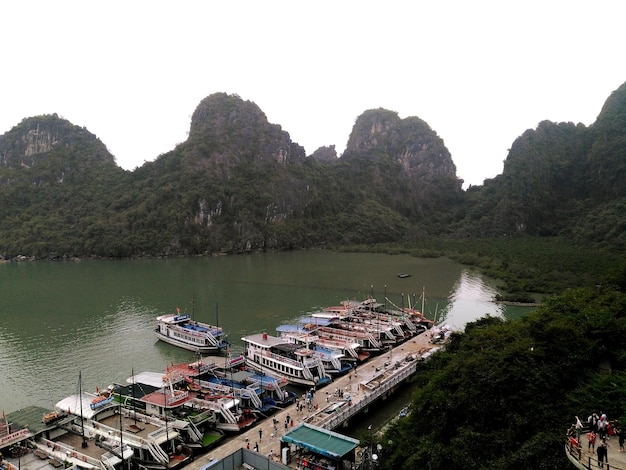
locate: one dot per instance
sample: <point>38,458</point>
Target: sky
<point>480,73</point>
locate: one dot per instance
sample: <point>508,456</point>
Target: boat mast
<point>385,300</point>
<point>132,372</point>
<point>121,433</point>
<point>80,397</point>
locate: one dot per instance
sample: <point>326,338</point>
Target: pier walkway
<point>376,379</point>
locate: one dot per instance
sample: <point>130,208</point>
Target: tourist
<point>592,421</point>
<point>260,434</point>
<point>271,455</point>
<point>256,446</point>
<point>602,453</point>
<point>602,430</point>
<point>620,436</point>
<point>591,437</point>
<point>579,428</point>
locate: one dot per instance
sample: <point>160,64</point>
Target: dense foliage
<point>503,394</point>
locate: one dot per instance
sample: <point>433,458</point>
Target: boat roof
<point>189,369</point>
<point>264,340</point>
<point>291,348</point>
<point>29,417</point>
<point>264,380</point>
<point>316,321</point>
<point>328,315</point>
<point>320,441</point>
<point>79,405</point>
<point>174,318</point>
<point>291,329</point>
<point>159,398</point>
<point>136,390</point>
<point>155,379</point>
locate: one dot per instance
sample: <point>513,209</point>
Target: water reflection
<point>471,298</point>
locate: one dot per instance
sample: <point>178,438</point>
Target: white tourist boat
<point>182,331</point>
<point>296,363</point>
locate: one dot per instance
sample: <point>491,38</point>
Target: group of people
<point>599,427</point>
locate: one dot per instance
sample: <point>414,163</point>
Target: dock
<point>333,406</point>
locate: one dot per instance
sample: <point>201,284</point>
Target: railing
<point>338,418</point>
<point>575,455</point>
<point>159,454</point>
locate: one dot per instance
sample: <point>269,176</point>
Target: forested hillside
<point>239,183</point>
<point>559,179</point>
<point>503,394</point>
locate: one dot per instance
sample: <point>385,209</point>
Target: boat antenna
<point>385,299</point>
<point>132,371</point>
<point>80,397</point>
<point>121,433</point>
<point>193,307</point>
<point>167,435</point>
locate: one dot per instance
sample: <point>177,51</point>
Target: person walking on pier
<point>260,434</point>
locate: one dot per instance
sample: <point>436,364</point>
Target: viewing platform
<point>584,458</point>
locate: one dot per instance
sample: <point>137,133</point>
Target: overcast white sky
<point>478,72</point>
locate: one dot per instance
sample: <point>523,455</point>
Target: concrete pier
<point>376,379</point>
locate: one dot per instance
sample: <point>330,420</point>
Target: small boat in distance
<point>403,275</point>
<point>182,331</point>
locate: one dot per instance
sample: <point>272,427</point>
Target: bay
<point>98,317</point>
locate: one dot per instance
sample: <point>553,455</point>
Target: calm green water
<point>98,317</point>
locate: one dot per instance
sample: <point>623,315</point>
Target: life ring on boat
<point>84,458</point>
<point>74,454</point>
<point>48,444</point>
<point>56,447</point>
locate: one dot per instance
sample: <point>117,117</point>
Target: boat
<point>332,353</point>
<point>403,275</point>
<point>297,364</point>
<point>182,331</point>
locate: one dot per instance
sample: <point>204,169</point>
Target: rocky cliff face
<point>37,137</point>
<point>227,131</point>
<point>47,149</point>
<point>410,142</point>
